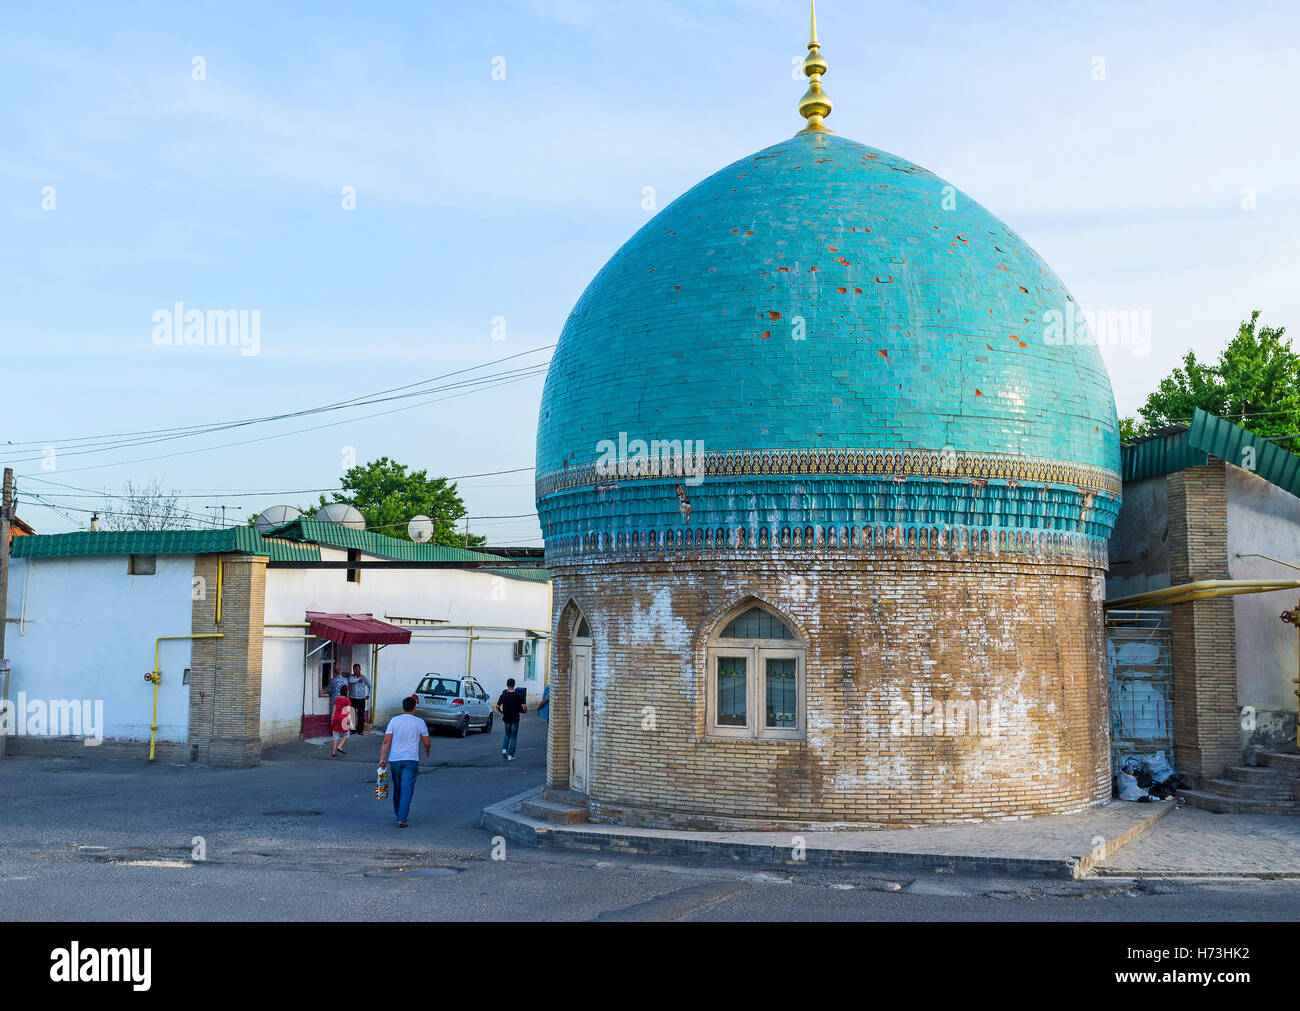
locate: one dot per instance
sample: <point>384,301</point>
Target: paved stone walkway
<point>1195,843</point>
<point>1060,845</point>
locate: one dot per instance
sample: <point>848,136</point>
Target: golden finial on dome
<point>815,105</point>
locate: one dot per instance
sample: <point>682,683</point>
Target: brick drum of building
<point>826,468</point>
<point>879,632</point>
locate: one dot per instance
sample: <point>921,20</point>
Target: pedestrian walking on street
<point>510,705</point>
<point>544,710</point>
<point>359,688</point>
<point>340,725</point>
<point>402,742</point>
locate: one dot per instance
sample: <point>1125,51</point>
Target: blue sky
<point>479,198</point>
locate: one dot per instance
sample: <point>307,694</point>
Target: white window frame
<point>796,732</point>
<point>756,653</point>
<point>329,654</point>
<point>715,654</point>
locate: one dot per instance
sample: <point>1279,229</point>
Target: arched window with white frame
<point>755,664</point>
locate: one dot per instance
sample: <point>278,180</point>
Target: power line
<point>359,400</point>
<point>479,383</point>
<point>280,435</point>
<point>96,445</point>
<point>217,493</point>
<point>63,510</point>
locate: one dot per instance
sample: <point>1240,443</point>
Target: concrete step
<point>1286,764</point>
<point>1251,774</point>
<point>554,812</point>
<point>1236,805</point>
<point>570,797</point>
<point>1278,788</point>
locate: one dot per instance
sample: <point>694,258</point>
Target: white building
<point>242,630</point>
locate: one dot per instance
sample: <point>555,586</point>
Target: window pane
<point>782,701</point>
<point>757,624</point>
<point>732,711</point>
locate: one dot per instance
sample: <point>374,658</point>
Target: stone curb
<point>505,819</point>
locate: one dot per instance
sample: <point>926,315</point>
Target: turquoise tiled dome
<point>823,295</point>
<point>923,326</point>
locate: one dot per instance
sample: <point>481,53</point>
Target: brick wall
<point>1206,736</point>
<point>978,627</point>
<point>226,673</point>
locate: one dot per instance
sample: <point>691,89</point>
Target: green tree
<point>388,497</point>
<point>1254,384</point>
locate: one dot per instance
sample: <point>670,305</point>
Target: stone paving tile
<point>1192,841</point>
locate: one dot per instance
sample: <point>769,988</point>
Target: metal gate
<point>1139,656</point>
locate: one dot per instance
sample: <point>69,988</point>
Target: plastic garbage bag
<point>1128,787</point>
<point>1158,766</point>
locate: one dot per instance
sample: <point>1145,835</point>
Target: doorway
<point>580,707</point>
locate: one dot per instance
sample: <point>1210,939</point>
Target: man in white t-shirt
<point>402,740</point>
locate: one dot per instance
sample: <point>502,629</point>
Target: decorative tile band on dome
<point>1031,545</point>
<point>893,463</point>
<point>799,511</point>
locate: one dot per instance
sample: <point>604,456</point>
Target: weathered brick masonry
<point>979,628</point>
<point>226,673</point>
<point>1206,736</point>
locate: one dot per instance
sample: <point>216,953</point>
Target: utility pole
<point>6,523</point>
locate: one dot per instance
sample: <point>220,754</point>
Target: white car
<point>455,702</point>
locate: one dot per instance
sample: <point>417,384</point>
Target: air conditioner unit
<point>523,648</point>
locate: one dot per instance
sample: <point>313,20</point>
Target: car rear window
<point>440,686</point>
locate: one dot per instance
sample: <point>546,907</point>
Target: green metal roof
<point>235,540</point>
<point>1162,452</point>
<point>536,575</point>
<point>372,543</point>
<point>1184,446</point>
<point>294,542</point>
<point>381,545</point>
<point>1246,450</point>
<point>281,550</point>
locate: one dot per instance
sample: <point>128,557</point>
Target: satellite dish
<point>420,529</point>
<point>343,515</point>
<point>275,516</point>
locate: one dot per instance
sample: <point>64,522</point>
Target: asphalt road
<point>301,838</point>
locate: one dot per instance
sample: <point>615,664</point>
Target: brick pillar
<point>226,673</point>
<point>1206,738</point>
<point>557,731</point>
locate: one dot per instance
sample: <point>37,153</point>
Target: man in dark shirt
<point>510,705</point>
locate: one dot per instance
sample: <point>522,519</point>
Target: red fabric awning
<point>355,629</point>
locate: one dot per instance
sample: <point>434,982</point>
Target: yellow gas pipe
<point>1204,589</point>
<point>155,676</point>
<point>1293,618</point>
<point>1209,589</point>
<point>469,657</point>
